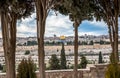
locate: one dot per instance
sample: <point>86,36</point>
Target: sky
<point>59,25</point>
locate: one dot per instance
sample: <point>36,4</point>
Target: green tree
<point>26,69</point>
<point>43,8</point>
<point>109,11</point>
<point>78,10</point>
<point>100,60</point>
<point>84,43</point>
<point>53,43</point>
<point>10,12</point>
<point>63,58</point>
<point>4,68</point>
<point>83,62</point>
<point>91,42</point>
<point>1,67</point>
<point>27,52</point>
<point>102,42</point>
<point>54,63</point>
<point>31,43</point>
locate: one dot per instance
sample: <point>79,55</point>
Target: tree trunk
<point>114,24</point>
<point>41,53</point>
<point>9,44</point>
<point>116,37</point>
<point>76,52</point>
<point>41,21</point>
<point>116,10</point>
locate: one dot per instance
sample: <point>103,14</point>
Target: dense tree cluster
<point>31,43</point>
<point>26,69</point>
<point>54,63</point>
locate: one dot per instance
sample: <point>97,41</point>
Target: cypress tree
<point>100,58</point>
<point>63,58</point>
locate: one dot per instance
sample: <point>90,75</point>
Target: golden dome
<point>62,37</point>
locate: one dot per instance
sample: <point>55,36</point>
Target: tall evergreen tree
<point>63,58</point>
<point>100,60</point>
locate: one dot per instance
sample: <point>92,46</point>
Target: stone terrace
<point>98,71</point>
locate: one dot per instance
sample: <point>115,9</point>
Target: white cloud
<point>24,28</point>
<point>59,25</point>
<point>96,23</point>
<point>91,33</point>
<point>27,27</point>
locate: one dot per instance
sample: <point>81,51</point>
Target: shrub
<point>113,71</point>
<point>27,52</point>
<point>54,63</point>
<point>26,69</point>
<point>4,68</point>
<point>83,62</point>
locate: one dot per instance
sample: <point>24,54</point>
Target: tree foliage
<point>1,67</point>
<point>91,42</point>
<point>83,62</point>
<point>77,10</point>
<point>27,52</point>
<point>113,71</point>
<point>102,42</point>
<point>54,63</point>
<point>31,43</point>
<point>10,11</point>
<point>20,8</point>
<point>109,11</point>
<point>63,58</point>
<point>43,8</point>
<point>100,60</point>
<point>26,69</point>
